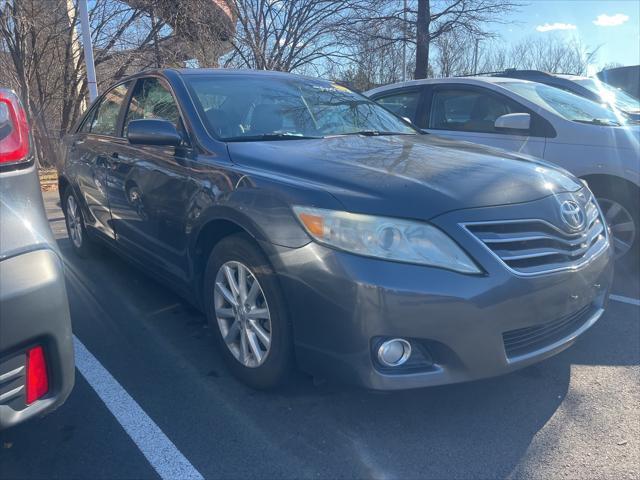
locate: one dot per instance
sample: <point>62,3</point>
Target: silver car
<point>36,344</point>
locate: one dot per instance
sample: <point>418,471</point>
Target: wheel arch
<point>216,227</point>
<point>601,181</point>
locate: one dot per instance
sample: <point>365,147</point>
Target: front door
<point>469,113</point>
<point>151,187</point>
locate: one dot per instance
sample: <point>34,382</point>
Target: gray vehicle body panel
<point>33,302</point>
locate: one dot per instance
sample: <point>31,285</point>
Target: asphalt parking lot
<point>576,415</point>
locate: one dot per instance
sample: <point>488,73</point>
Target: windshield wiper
<point>269,136</point>
<point>598,121</point>
<point>375,133</point>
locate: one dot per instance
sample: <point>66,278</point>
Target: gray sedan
<point>317,229</point>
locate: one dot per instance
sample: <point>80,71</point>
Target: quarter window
<point>105,120</point>
<point>468,110</point>
<point>152,99</point>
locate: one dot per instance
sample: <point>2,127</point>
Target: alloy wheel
<point>243,314</point>
<point>622,224</point>
<point>74,221</point>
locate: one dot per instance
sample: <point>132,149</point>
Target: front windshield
<point>613,96</point>
<point>567,105</point>
<point>246,107</point>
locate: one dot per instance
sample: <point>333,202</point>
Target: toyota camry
<point>318,230</point>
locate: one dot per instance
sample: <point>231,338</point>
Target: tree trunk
<point>422,39</point>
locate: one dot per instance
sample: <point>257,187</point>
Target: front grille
<point>536,246</point>
<point>526,340</point>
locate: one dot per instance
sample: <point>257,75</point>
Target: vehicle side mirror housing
<point>513,121</point>
<point>150,131</point>
<point>408,120</point>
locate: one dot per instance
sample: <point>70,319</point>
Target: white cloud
<point>605,20</point>
<point>547,27</point>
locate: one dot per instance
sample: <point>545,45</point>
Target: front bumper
<point>33,311</point>
<point>341,303</point>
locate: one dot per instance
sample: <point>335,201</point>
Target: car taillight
<point>37,377</point>
<point>14,130</point>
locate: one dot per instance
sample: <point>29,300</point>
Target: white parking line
<point>161,453</point>
<point>629,300</point>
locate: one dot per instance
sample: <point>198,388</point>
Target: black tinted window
<point>468,110</point>
<point>105,119</point>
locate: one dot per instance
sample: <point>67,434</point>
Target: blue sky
<point>614,25</point>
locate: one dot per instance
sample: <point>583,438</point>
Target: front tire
<point>246,309</point>
<point>620,210</point>
<point>80,242</point>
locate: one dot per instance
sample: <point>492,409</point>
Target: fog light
<point>394,353</point>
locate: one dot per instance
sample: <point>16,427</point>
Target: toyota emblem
<point>572,214</point>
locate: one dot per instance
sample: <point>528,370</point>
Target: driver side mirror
<point>513,121</point>
<point>151,131</point>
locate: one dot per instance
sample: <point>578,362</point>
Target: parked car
<point>311,224</point>
<point>626,78</point>
<point>36,346</point>
<point>588,87</point>
<point>590,141</point>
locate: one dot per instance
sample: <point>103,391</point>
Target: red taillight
<point>37,378</point>
<point>14,131</point>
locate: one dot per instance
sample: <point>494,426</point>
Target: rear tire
<point>246,308</point>
<point>80,242</point>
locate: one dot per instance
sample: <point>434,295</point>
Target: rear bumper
<point>342,304</point>
<point>33,311</point>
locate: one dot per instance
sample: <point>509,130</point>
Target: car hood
<point>412,176</point>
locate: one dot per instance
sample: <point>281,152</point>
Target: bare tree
<point>424,21</point>
<point>41,51</point>
<point>554,54</point>
<point>289,35</point>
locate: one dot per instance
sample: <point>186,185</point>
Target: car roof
<point>219,71</point>
<point>475,80</point>
<point>570,77</point>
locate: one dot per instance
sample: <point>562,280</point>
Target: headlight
<point>387,238</point>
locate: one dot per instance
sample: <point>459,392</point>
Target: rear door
<point>90,151</point>
<point>151,186</point>
<point>465,112</point>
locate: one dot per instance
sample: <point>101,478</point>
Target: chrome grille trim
<point>579,326</point>
<point>5,397</point>
<point>12,381</point>
<point>534,246</point>
<point>12,375</point>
